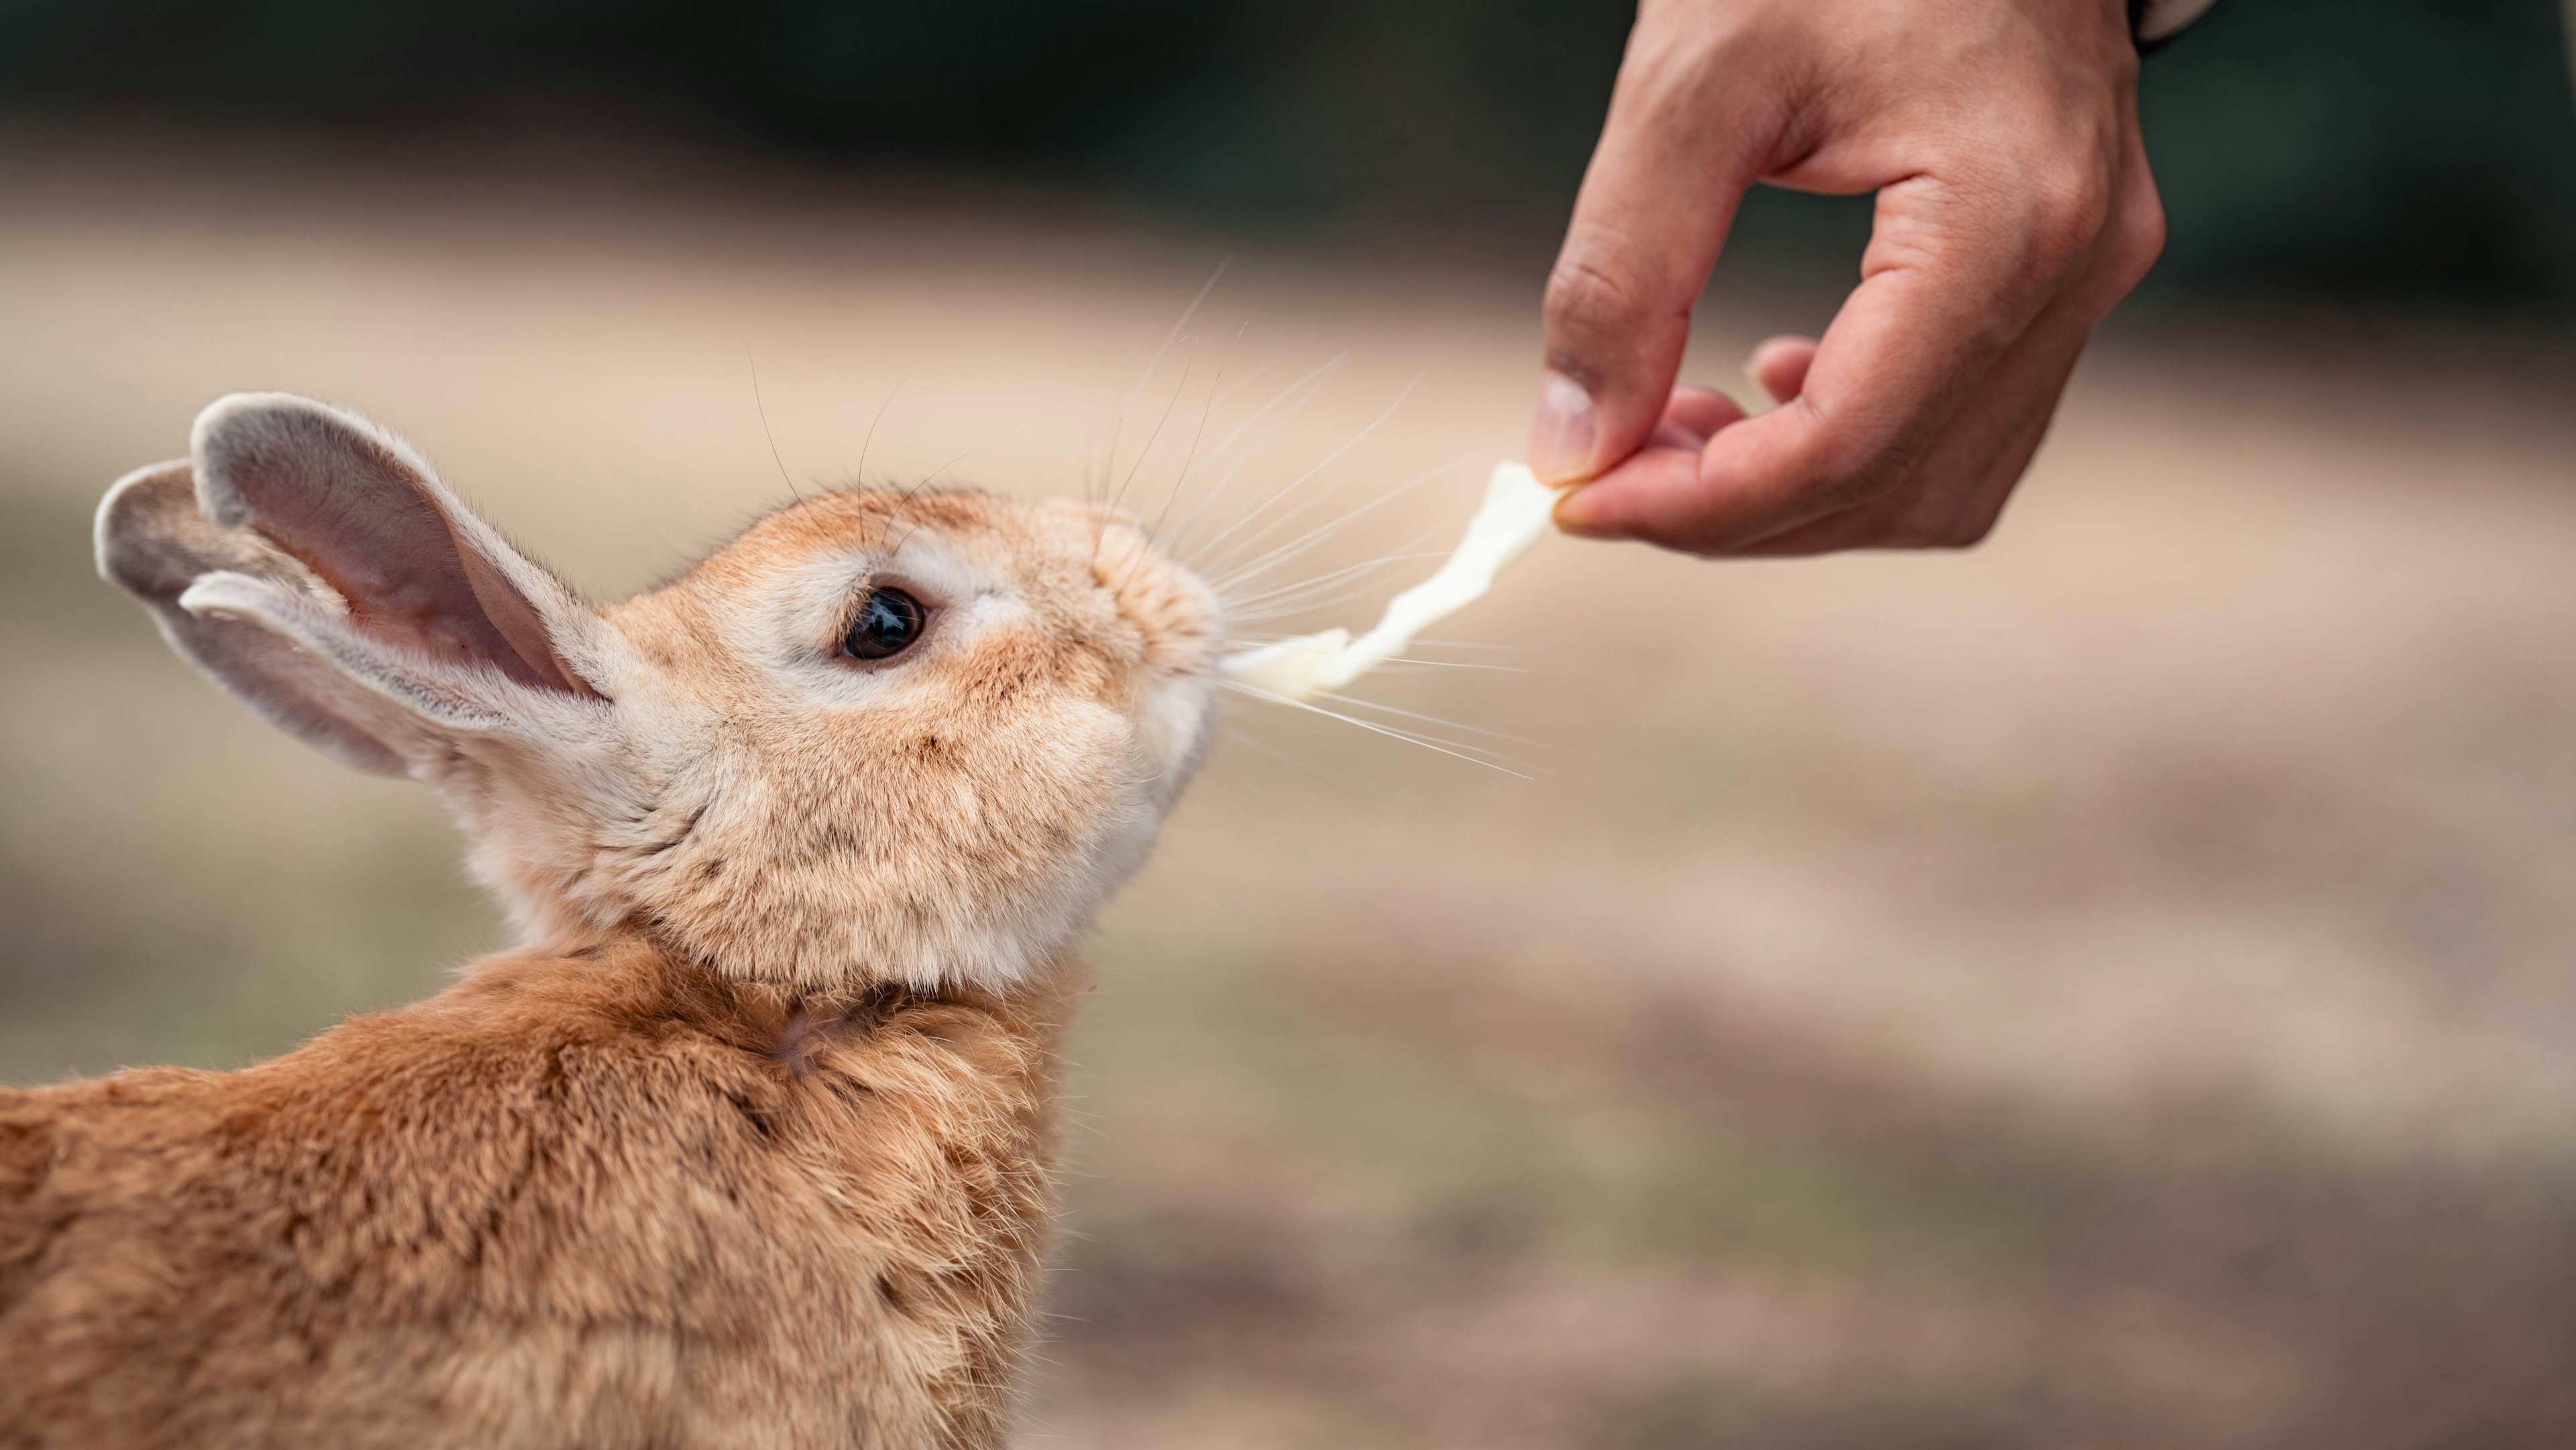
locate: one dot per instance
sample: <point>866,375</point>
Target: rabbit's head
<point>880,737</point>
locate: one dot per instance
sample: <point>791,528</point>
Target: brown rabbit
<point>749,1142</point>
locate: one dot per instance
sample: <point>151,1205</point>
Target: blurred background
<point>2116,987</point>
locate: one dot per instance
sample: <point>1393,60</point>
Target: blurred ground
<point>2113,988</point>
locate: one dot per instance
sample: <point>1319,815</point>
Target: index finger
<point>1691,119</point>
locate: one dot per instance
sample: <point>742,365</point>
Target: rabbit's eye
<point>889,621</point>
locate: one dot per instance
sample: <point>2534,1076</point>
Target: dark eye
<point>889,621</point>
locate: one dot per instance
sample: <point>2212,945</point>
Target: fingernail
<point>1565,432</point>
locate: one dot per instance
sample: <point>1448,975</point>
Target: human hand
<point>2014,208</point>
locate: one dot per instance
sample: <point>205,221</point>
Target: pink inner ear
<point>509,612</point>
<point>363,519</point>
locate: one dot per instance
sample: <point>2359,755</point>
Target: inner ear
<point>366,515</point>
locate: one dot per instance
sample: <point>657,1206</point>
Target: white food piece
<point>1516,511</point>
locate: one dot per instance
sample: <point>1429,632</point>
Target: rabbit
<point>748,1142</point>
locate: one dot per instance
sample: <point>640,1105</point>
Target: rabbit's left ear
<point>312,565</point>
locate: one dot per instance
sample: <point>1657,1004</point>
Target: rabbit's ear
<point>312,565</point>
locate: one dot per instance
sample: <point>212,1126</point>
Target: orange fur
<point>750,1143</point>
<point>591,1199</point>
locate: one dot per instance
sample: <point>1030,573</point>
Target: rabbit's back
<point>590,1200</point>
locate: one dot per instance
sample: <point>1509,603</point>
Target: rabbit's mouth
<point>1180,624</point>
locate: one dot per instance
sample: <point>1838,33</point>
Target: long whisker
<point>1216,399</point>
<point>1302,606</point>
<point>1357,703</point>
<point>1098,465</point>
<point>1472,644</point>
<point>1270,597</point>
<point>1283,757</point>
<point>763,410</point>
<point>871,437</point>
<point>1235,568</point>
<point>1303,390</point>
<point>1401,666</point>
<point>1155,363</point>
<point>1412,737</point>
<point>1418,665</point>
<point>1462,752</point>
<point>1328,460</point>
<point>1411,548</point>
<point>1299,545</point>
<point>951,463</point>
<point>1297,395</point>
<point>1148,450</point>
<point>1248,379</point>
<point>1422,666</point>
<point>1189,458</point>
<point>1259,637</point>
<point>1180,480</point>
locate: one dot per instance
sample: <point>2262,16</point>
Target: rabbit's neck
<point>920,1129</point>
<point>805,1029</point>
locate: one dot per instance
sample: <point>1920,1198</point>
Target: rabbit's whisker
<point>765,431</point>
<point>1299,545</point>
<point>1248,379</point>
<point>1164,417</point>
<point>1155,363</point>
<point>1255,549</point>
<point>1235,567</point>
<point>1304,606</point>
<point>1303,390</point>
<point>1472,754</point>
<point>1256,743</point>
<point>1270,598</point>
<point>1100,461</point>
<point>932,476</point>
<point>1471,644</point>
<point>1356,703</point>
<point>1180,480</point>
<point>871,436</point>
<point>1189,458</point>
<point>1328,461</point>
<point>1250,637</point>
<point>1216,399</point>
<point>1416,667</point>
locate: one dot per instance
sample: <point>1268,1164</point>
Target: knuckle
<point>2141,239</point>
<point>1585,291</point>
<point>2070,208</point>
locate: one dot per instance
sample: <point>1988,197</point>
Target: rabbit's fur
<point>749,1142</point>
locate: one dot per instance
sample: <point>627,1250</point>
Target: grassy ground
<point>2113,988</point>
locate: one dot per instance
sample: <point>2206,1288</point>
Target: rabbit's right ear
<point>312,565</point>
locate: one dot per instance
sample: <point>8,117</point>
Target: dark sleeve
<point>2154,22</point>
